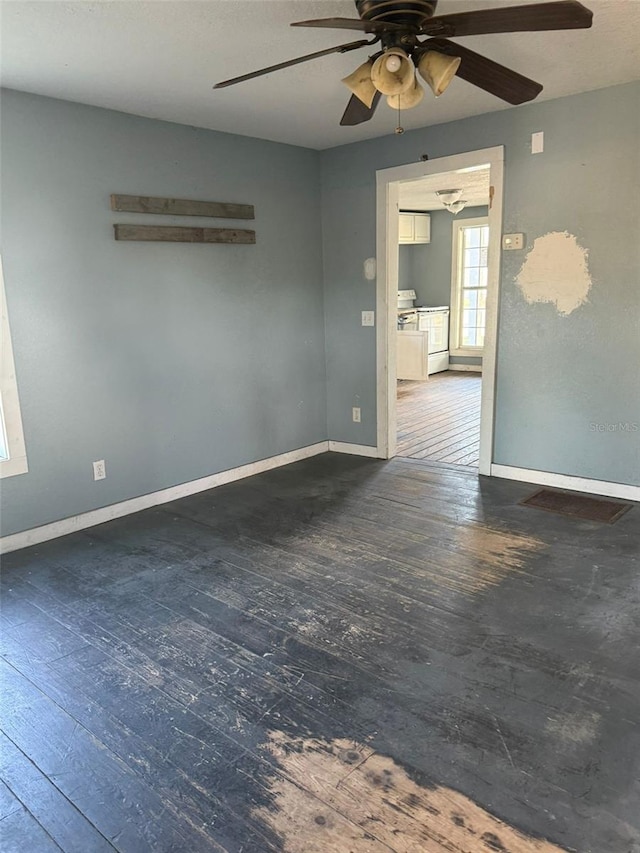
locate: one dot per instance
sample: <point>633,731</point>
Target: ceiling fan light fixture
<point>393,82</point>
<point>438,70</point>
<point>407,100</point>
<point>359,82</point>
<point>448,196</point>
<point>456,206</point>
<point>401,23</point>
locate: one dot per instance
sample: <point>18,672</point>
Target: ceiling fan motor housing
<point>413,13</point>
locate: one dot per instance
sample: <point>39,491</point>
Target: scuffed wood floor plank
<point>344,656</point>
<point>401,814</point>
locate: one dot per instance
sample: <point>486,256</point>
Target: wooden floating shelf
<point>181,207</point>
<point>178,234</point>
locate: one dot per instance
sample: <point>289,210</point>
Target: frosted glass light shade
<point>438,70</point>
<point>360,83</point>
<point>456,206</point>
<point>448,196</point>
<point>393,82</point>
<point>407,100</point>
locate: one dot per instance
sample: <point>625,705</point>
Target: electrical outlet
<point>99,470</point>
<point>355,412</point>
<point>368,318</point>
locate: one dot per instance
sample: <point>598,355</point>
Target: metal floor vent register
<point>577,505</point>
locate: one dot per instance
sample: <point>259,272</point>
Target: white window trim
<point>457,226</point>
<point>17,461</point>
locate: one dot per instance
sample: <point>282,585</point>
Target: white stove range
<point>431,319</point>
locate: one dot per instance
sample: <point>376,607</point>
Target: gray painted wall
<point>172,362</point>
<point>559,377</point>
<point>169,361</point>
<point>406,277</point>
<point>426,267</point>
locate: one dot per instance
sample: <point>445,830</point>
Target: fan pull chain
<point>399,128</point>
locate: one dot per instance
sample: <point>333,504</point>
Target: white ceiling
<point>421,194</point>
<point>160,58</point>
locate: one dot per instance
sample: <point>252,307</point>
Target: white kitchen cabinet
<point>414,228</point>
<point>420,353</point>
<point>412,355</point>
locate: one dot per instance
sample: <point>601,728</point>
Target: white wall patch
<point>556,270</point>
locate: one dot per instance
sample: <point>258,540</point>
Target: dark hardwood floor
<point>341,656</point>
<point>440,419</point>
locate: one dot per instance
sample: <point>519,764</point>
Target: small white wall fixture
<point>388,181</point>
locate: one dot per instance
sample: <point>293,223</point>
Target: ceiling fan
<point>398,25</point>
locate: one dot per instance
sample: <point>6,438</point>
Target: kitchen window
<point>469,277</point>
<point>13,457</point>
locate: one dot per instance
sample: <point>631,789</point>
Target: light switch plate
<point>512,241</point>
<point>537,142</point>
<point>368,318</point>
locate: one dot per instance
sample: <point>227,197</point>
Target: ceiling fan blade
<point>341,48</point>
<point>350,24</point>
<point>487,74</point>
<point>357,112</point>
<point>565,15</point>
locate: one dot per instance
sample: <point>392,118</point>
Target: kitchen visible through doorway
<point>443,261</point>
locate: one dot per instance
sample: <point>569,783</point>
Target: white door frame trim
<point>387,181</point>
<point>10,416</point>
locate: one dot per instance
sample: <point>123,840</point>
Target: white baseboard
<point>564,481</point>
<point>55,529</point>
<point>354,449</point>
<point>470,368</point>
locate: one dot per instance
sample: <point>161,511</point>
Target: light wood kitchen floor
<point>440,419</point>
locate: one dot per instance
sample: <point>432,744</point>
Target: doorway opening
<point>439,226</point>
<point>442,301</point>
